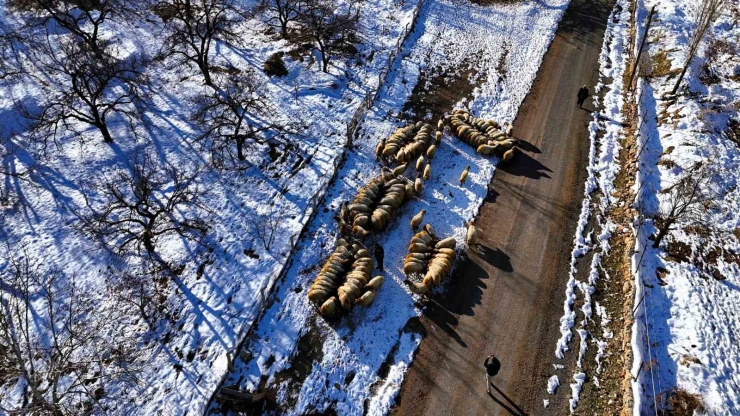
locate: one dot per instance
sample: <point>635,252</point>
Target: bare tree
<point>10,62</point>
<point>82,19</point>
<point>236,113</point>
<point>194,26</point>
<point>53,334</point>
<point>705,14</point>
<point>284,12</point>
<point>143,205</point>
<point>686,200</point>
<point>81,87</point>
<point>332,32</point>
<point>264,225</point>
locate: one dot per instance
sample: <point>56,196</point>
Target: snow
<point>552,384</point>
<point>358,345</point>
<point>212,311</point>
<point>575,389</point>
<point>688,316</point>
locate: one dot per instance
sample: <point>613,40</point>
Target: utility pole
<point>642,45</point>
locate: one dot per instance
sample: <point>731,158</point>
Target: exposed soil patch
<point>310,351</point>
<point>438,91</point>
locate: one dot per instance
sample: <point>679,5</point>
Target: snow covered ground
<point>594,228</point>
<point>689,289</point>
<point>356,364</point>
<point>225,279</point>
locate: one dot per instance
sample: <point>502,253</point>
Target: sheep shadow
<point>496,258</point>
<point>524,165</point>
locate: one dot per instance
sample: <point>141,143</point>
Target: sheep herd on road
<point>345,279</point>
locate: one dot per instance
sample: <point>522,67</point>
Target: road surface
<point>507,298</point>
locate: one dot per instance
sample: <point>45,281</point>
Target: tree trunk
<point>662,233</point>
<point>106,134</point>
<point>284,29</point>
<point>680,77</point>
<point>240,148</point>
<point>204,68</point>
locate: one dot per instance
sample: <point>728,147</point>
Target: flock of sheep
<point>345,279</point>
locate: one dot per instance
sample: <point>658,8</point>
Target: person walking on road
<point>492,365</point>
<point>583,93</point>
<point>379,254</point>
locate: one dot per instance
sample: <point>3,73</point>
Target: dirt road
<point>507,299</point>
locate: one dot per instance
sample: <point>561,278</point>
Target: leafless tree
<point>705,14</point>
<point>83,19</point>
<point>236,113</point>
<point>144,204</point>
<point>264,225</point>
<point>688,199</point>
<point>194,27</point>
<point>284,12</point>
<point>81,87</point>
<point>10,62</point>
<point>332,32</point>
<point>54,337</point>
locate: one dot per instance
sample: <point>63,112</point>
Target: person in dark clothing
<point>492,365</point>
<point>379,254</point>
<point>583,93</point>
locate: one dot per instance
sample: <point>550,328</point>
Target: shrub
<point>275,66</point>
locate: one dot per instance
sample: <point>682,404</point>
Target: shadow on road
<point>524,165</point>
<point>516,411</point>
<point>496,258</point>
<point>444,320</point>
<point>527,146</point>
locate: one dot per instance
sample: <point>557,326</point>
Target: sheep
<point>417,219</point>
<point>428,172</point>
<point>438,135</point>
<point>430,152</point>
<point>464,175</point>
<point>509,130</point>
<point>472,236</point>
<point>418,288</point>
<point>400,170</point>
<point>417,185</point>
<point>375,283</point>
<point>509,154</point>
<point>379,149</point>
<point>366,299</point>
<point>420,163</point>
<point>440,124</point>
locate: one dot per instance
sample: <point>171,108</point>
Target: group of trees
<point>316,22</point>
<point>55,335</point>
<point>57,339</point>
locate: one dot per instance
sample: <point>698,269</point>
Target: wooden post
<point>642,45</point>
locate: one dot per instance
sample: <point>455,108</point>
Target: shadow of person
<point>524,165</point>
<point>514,409</point>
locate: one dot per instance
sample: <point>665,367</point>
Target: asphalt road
<point>507,298</point>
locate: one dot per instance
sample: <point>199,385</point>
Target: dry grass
<point>667,163</point>
<point>661,65</point>
<point>682,403</point>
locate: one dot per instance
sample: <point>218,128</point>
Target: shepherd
<point>492,365</point>
<point>583,93</point>
<point>379,254</point>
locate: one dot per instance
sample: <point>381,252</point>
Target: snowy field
<point>224,278</point>
<point>594,230</point>
<point>355,365</point>
<point>689,288</point>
